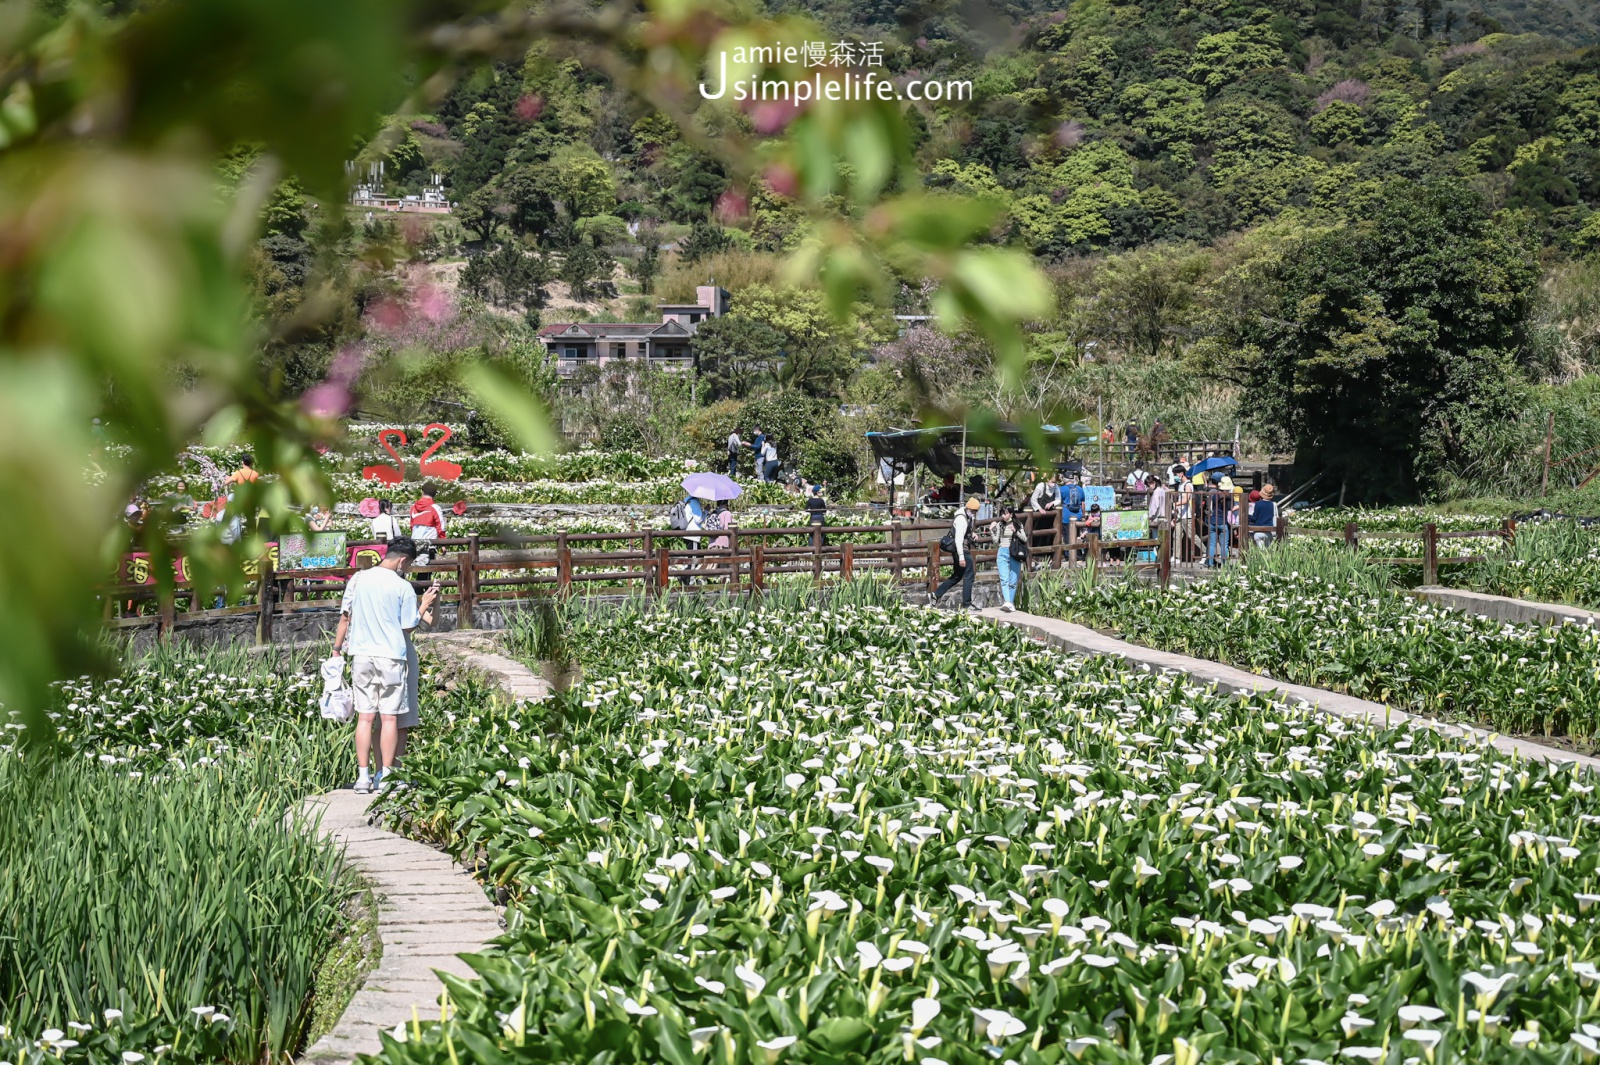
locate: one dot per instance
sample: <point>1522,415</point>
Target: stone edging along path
<point>1504,608</point>
<point>1082,640</point>
<point>429,908</point>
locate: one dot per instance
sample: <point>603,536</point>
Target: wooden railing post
<point>1508,530</point>
<point>167,610</point>
<point>933,566</point>
<point>1430,554</point>
<point>894,539</point>
<point>1065,528</point>
<point>817,537</point>
<point>563,565</point>
<point>264,590</point>
<point>1094,555</point>
<point>758,565</point>
<point>1242,509</point>
<point>1350,539</point>
<point>649,566</point>
<point>1164,568</point>
<point>1282,528</point>
<point>467,584</point>
<point>663,570</point>
<point>847,562</point>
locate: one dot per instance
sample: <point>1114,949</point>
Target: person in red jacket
<point>427,525</point>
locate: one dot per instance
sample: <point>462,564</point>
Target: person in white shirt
<point>770,463</point>
<point>734,445</point>
<point>376,619</point>
<point>1138,479</point>
<point>384,525</point>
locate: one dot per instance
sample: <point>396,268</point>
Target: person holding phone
<point>377,616</point>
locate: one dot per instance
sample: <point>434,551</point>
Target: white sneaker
<point>1007,607</point>
<point>363,785</point>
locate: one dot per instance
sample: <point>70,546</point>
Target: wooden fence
<point>1353,535</point>
<point>479,570</point>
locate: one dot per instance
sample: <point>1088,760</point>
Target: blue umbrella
<point>711,486</point>
<point>1218,462</point>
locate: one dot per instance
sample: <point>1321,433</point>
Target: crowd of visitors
<point>1197,510</point>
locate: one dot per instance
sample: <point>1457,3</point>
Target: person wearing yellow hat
<point>958,542</point>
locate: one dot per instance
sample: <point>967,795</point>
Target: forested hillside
<point>1173,164</point>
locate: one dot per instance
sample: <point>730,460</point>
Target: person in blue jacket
<point>1073,498</point>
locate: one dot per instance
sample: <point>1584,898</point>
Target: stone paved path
<point>478,650</point>
<point>1083,640</point>
<point>429,910</point>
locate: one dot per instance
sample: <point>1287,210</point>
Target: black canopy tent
<point>947,450</point>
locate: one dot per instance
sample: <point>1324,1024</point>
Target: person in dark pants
<point>964,568</point>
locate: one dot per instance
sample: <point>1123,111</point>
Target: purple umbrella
<point>711,486</point>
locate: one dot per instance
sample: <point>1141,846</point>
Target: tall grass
<point>1555,561</point>
<point>1316,561</point>
<point>151,869</point>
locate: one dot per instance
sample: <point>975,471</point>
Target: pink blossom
<point>529,107</point>
<point>326,400</point>
<point>732,206</point>
<point>432,302</point>
<point>782,180</point>
<point>1350,91</point>
<point>770,116</point>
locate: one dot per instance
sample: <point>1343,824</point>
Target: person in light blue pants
<point>1008,531</point>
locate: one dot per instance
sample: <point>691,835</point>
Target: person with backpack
<point>958,542</point>
<point>735,445</point>
<point>427,526</point>
<point>758,447</point>
<point>1010,554</point>
<point>1073,498</point>
<point>688,515</point>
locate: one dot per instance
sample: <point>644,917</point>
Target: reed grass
<point>154,876</point>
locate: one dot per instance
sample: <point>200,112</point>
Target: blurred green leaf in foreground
<point>123,285</point>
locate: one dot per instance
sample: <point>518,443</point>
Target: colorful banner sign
<point>1125,525</point>
<point>1105,495</point>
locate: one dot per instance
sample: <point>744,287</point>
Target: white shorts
<point>379,685</point>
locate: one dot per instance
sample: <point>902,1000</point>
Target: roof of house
<point>600,330</point>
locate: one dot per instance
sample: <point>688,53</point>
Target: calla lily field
<point>881,834</point>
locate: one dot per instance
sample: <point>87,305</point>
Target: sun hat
<point>1268,490</point>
